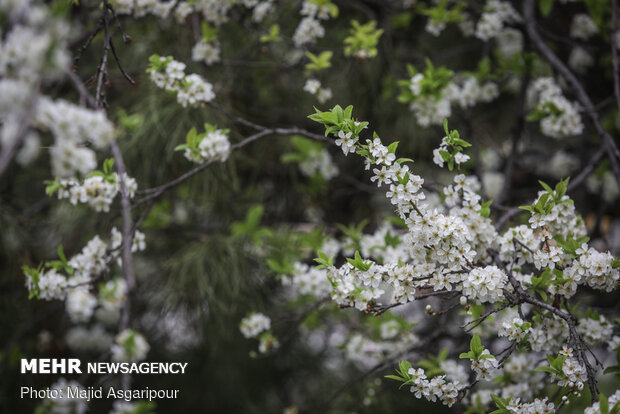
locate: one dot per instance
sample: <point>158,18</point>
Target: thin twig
<point>157,191</point>
<point>120,67</point>
<point>103,65</point>
<point>87,42</point>
<point>521,296</point>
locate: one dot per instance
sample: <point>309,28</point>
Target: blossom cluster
<point>593,268</point>
<point>583,27</point>
<point>307,280</point>
<point>213,145</point>
<point>436,388</point>
<point>433,107</point>
<point>310,28</point>
<point>509,42</point>
<point>72,280</point>
<point>257,325</point>
<point>140,8</point>
<point>485,367</point>
<point>33,52</point>
<point>67,403</point>
<point>494,17</point>
<point>254,324</point>
<point>452,247</point>
<point>612,402</point>
<point>84,340</point>
<point>605,184</point>
<point>516,329</point>
<point>437,247</point>
<point>580,60</point>
<point>313,87</point>
<point>558,116</point>
<point>207,52</point>
<point>169,74</point>
<point>129,346</point>
<point>366,352</point>
<point>97,191</point>
<point>319,162</point>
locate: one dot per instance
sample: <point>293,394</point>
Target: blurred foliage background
<point>196,279</point>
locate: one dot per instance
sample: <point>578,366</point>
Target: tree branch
<point>157,191</point>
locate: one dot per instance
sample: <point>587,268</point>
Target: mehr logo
<point>50,366</point>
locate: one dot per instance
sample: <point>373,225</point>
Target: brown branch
<point>483,317</point>
<point>585,173</point>
<point>128,274</point>
<point>507,352</point>
<point>120,67</point>
<point>521,296</point>
<point>86,44</point>
<point>126,38</point>
<point>157,191</point>
<point>242,121</point>
<point>102,69</point>
<point>127,258</point>
<point>85,97</point>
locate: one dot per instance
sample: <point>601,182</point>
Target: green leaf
<point>445,155</point>
<point>545,6</point>
<point>603,403</point>
<point>545,369</point>
<point>546,186</point>
<point>404,366</point>
<point>250,227</point>
<point>61,254</point>
<point>324,261</point>
<point>359,263</point>
<point>52,186</point>
<point>144,407</point>
<point>485,208</point>
<point>34,275</point>
<point>348,112</point>
<point>501,403</point>
<point>107,165</point>
<point>363,39</point>
<point>476,345</point>
<point>273,36</point>
<point>318,62</point>
<point>392,147</point>
<point>536,115</point>
<point>560,188</point>
<point>209,33</point>
<point>130,123</point>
